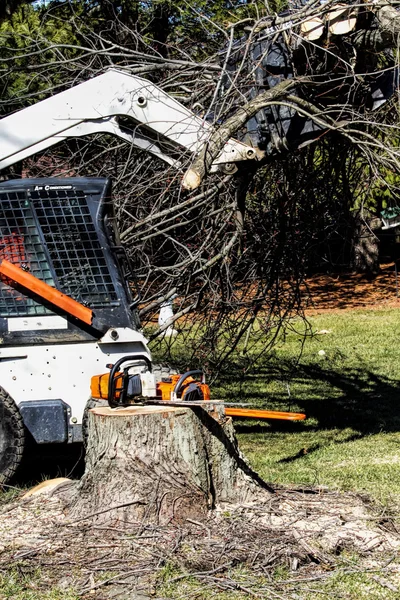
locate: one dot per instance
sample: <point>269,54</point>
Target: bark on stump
<point>159,464</point>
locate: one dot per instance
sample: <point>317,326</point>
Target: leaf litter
<point>236,550</point>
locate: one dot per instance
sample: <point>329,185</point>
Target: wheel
<point>12,437</point>
<point>85,419</point>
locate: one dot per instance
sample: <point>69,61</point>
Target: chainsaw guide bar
<point>182,403</point>
<point>233,409</point>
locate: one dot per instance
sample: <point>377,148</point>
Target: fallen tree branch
<point>101,512</point>
<point>203,161</point>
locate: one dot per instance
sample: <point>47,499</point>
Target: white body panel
<point>47,372</point>
<point>37,323</point>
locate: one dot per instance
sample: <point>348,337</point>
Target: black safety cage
<point>61,231</point>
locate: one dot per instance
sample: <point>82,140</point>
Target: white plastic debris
<point>166,317</point>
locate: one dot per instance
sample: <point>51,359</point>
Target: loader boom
<point>96,106</point>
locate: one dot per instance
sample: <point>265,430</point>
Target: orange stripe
<point>32,286</point>
<point>264,414</point>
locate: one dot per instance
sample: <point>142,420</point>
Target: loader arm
<point>96,105</point>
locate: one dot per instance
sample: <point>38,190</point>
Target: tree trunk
<point>159,464</point>
<point>365,246</point>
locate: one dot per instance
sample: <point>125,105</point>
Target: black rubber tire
<point>89,404</point>
<point>12,437</point>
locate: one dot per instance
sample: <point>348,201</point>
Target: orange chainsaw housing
<point>165,388</point>
<point>99,387</point>
<point>100,383</point>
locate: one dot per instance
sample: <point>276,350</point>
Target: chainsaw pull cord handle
<point>183,378</point>
<point>115,368</point>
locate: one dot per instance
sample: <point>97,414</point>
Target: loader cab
<point>63,232</point>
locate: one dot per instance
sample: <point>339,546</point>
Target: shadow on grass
<point>366,402</point>
<point>310,449</point>
<point>355,398</point>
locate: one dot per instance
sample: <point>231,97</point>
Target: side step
<point>253,413</point>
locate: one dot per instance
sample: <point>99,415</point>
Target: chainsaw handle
<point>116,367</point>
<point>183,378</point>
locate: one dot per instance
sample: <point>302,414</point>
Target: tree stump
<point>162,463</point>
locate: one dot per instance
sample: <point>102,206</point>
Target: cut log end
<point>160,464</point>
<point>191,180</point>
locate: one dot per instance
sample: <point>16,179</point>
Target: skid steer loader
<point>69,327</point>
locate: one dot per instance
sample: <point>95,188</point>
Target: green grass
<point>353,586</point>
<point>22,584</point>
<point>350,580</point>
<point>351,395</point>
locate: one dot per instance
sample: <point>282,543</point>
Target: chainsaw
<point>122,388</point>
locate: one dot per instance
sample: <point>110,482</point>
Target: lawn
<point>347,382</point>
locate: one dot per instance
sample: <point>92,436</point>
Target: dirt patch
<point>236,548</point>
<point>350,291</point>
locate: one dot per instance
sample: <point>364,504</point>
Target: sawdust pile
<point>305,531</point>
